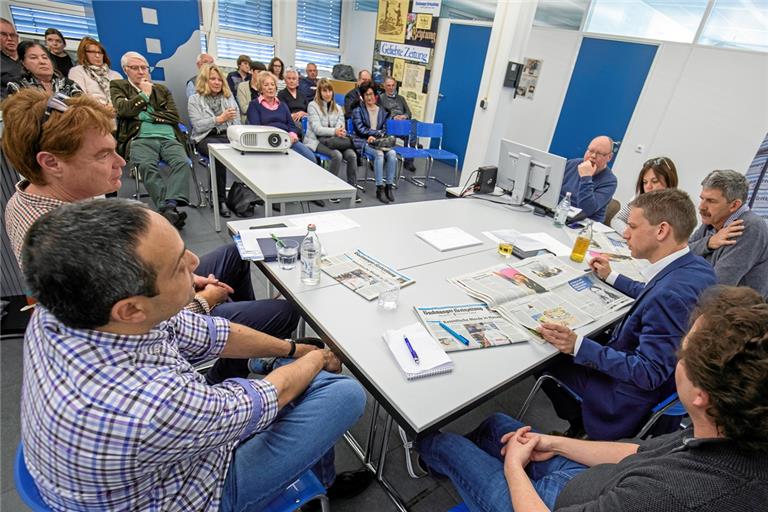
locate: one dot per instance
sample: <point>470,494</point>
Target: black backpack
<point>241,200</point>
<point>343,72</point>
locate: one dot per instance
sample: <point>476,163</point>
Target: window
<point>737,24</point>
<point>74,18</point>
<point>324,61</point>
<point>651,19</point>
<point>560,14</point>
<point>244,28</point>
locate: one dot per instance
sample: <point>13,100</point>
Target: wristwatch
<point>293,348</point>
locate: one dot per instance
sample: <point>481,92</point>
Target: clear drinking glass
<point>287,254</point>
<point>389,291</point>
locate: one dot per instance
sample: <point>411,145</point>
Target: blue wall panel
<point>602,93</point>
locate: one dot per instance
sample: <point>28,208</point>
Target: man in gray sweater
<point>732,238</point>
<point>718,464</point>
<point>398,109</point>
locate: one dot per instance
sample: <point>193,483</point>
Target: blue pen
<point>453,333</point>
<point>414,355</point>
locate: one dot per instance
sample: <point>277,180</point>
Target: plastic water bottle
<point>310,257</point>
<point>561,212</point>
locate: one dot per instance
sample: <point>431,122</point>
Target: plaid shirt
<point>22,211</point>
<point>124,422</point>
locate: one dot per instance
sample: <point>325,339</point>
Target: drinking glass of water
<point>389,291</point>
<point>287,254</point>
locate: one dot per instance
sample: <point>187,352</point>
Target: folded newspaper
<point>544,289</point>
<point>475,323</point>
<point>361,273</point>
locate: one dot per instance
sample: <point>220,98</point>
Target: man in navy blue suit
<point>620,382</point>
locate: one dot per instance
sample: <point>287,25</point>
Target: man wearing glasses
<point>590,181</point>
<point>10,65</point>
<point>147,132</point>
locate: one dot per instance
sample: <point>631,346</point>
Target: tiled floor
<point>423,495</point>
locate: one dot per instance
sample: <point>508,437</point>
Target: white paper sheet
<point>325,222</point>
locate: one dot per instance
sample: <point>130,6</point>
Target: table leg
<point>267,207</point>
<point>352,201</point>
<point>214,191</point>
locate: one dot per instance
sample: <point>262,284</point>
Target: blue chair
<point>461,507</point>
<point>435,131</point>
<point>320,157</point>
<point>670,406</point>
<point>403,128</point>
<point>368,159</point>
<point>305,489</point>
<point>339,99</point>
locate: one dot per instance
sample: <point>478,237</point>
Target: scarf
<point>100,75</point>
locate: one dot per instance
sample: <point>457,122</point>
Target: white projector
<point>260,139</point>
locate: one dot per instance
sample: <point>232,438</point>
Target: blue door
<point>602,94</point>
<point>459,84</point>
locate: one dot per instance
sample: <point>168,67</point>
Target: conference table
<point>353,327</point>
<point>277,178</point>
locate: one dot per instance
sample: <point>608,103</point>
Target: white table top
<point>278,175</point>
<point>355,326</point>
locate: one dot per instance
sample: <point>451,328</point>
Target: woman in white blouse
<point>212,109</point>
<point>656,174</point>
<point>93,72</point>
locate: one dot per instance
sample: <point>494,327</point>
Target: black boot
<point>388,191</point>
<point>380,194</point>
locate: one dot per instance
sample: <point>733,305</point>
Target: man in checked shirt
<point>113,414</point>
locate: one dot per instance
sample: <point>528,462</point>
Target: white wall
<point>359,29</point>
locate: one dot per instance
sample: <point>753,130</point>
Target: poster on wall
<point>758,190</point>
<point>529,78</point>
<point>391,21</point>
<point>405,51</point>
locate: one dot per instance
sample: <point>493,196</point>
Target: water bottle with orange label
<point>581,245</point>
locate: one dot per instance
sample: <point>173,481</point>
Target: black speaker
<point>486,179</point>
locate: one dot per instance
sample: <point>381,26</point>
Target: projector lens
<point>274,140</point>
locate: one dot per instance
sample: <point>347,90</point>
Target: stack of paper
<point>432,359</point>
<point>448,238</point>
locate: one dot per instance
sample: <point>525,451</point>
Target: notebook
<point>432,358</point>
<point>446,239</point>
<point>269,247</point>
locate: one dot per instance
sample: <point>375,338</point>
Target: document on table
<point>325,222</point>
<point>529,241</point>
<point>432,358</point>
<point>446,239</point>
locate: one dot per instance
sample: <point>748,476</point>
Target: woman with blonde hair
<point>93,72</point>
<point>212,109</point>
<point>326,133</point>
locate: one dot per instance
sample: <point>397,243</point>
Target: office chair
<point>435,131</point>
<point>305,489</point>
<point>320,157</point>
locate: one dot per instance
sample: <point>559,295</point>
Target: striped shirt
<point>22,211</point>
<point>123,422</point>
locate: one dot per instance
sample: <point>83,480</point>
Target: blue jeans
<point>475,466</point>
<point>304,151</point>
<point>382,161</point>
<point>301,438</point>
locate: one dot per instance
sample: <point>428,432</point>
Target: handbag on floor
<point>242,200</point>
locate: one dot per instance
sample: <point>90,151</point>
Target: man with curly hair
<point>717,464</point>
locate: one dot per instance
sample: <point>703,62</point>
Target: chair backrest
<point>306,488</point>
<point>350,127</point>
<point>339,99</point>
<point>25,485</point>
<point>399,128</point>
<point>610,212</point>
<point>304,123</point>
<point>431,130</point>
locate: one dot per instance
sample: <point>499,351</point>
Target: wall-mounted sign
<point>427,7</point>
<point>405,51</point>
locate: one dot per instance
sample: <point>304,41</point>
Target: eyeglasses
<point>656,162</point>
<point>138,68</point>
<point>598,153</point>
<point>95,52</point>
<point>57,103</point>
<point>9,35</point>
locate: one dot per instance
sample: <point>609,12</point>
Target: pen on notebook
<point>453,333</point>
<point>414,355</point>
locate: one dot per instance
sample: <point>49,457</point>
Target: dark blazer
<point>635,371</point>
<point>361,121</point>
<point>128,104</point>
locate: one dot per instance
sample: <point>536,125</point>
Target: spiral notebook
<point>432,358</point>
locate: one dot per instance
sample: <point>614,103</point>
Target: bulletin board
<point>406,33</point>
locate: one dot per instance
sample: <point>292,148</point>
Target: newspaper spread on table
<point>542,289</point>
<point>477,323</point>
<point>361,273</point>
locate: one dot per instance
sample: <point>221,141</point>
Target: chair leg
<point>137,179</point>
<point>325,504</point>
<point>201,195</point>
<point>530,397</point>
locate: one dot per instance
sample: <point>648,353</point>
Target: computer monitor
<point>530,175</point>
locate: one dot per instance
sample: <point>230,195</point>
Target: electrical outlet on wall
<point>639,148</point>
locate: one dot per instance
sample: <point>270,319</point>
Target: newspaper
<point>361,273</point>
<point>479,325</point>
<point>622,263</point>
<point>544,289</point>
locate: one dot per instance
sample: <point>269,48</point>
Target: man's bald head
<point>600,151</point>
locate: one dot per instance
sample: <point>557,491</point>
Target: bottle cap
<point>311,227</point>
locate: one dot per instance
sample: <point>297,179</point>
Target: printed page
<point>482,327</point>
<point>544,308</point>
<point>498,284</point>
<point>361,273</point>
<point>593,296</point>
<point>548,270</point>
